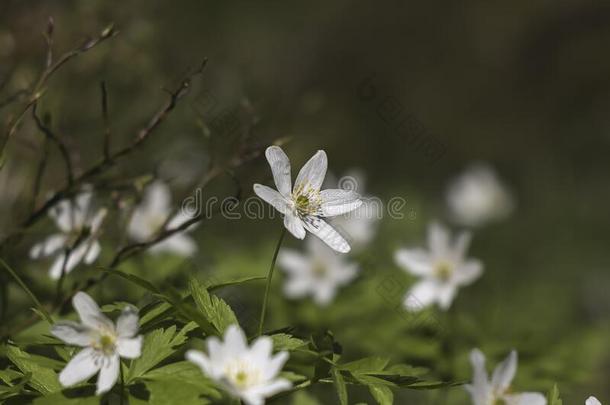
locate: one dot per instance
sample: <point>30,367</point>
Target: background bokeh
<point>523,86</point>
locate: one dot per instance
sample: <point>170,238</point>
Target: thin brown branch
<point>63,150</point>
<point>106,120</point>
<point>39,173</point>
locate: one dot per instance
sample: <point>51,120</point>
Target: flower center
<point>319,270</point>
<point>106,344</point>
<point>306,201</point>
<point>443,271</point>
<point>242,375</point>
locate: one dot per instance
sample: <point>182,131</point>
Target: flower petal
<point>592,401</point>
<point>158,199</point>
<point>127,324</point>
<point>312,173</point>
<point>89,312</point>
<point>280,167</point>
<point>292,261</point>
<point>272,197</point>
<point>49,246</point>
<point>438,240</point>
<point>480,389</point>
<point>421,295</point>
<point>446,294</point>
<point>261,349</point>
<point>72,333</point>
<point>505,372</point>
<point>200,360</point>
<point>93,251</point>
<point>235,340</point>
<point>179,244</point>
<point>338,201</point>
<point>414,261</point>
<point>80,368</point>
<point>327,234</point>
<point>525,398</point>
<point>109,373</point>
<point>274,366</point>
<point>468,272</point>
<point>267,390</point>
<point>294,225</point>
<point>129,348</point>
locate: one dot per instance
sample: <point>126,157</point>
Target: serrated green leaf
<point>382,394</point>
<point>339,386</point>
<point>368,365</point>
<point>60,399</point>
<point>284,341</point>
<point>553,396</point>
<point>223,284</point>
<point>175,391</point>
<point>44,379</point>
<point>218,312</point>
<point>157,346</point>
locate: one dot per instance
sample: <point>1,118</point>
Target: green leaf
<point>157,346</point>
<point>553,396</point>
<point>187,373</point>
<point>60,399</point>
<point>176,391</point>
<point>191,313</point>
<point>132,278</point>
<point>382,394</point>
<point>368,365</point>
<point>340,386</point>
<point>284,341</point>
<point>303,398</point>
<point>218,312</point>
<point>222,284</point>
<point>43,380</point>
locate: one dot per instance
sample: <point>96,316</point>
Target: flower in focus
<point>592,401</point>
<point>497,391</point>
<point>103,343</point>
<point>361,223</point>
<point>151,217</point>
<point>249,373</point>
<point>304,205</point>
<point>79,224</point>
<point>318,273</point>
<point>477,197</point>
<point>442,269</point>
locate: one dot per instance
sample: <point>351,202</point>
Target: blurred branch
<point>39,173</point>
<point>63,150</point>
<point>106,120</point>
<point>38,89</point>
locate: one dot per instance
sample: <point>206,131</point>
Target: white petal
<point>89,312</point>
<point>505,372</point>
<point>592,401</point>
<point>72,333</point>
<point>261,349</point>
<point>313,172</point>
<point>179,244</point>
<point>93,252</point>
<point>297,286</point>
<point>415,261</point>
<point>421,295</point>
<point>56,267</point>
<point>201,360</point>
<point>80,368</point>
<point>339,201</point>
<point>272,197</point>
<point>267,390</point>
<point>461,245</point>
<point>438,240</point>
<point>158,199</point>
<point>95,223</point>
<point>275,365</point>
<point>292,261</point>
<point>129,348</point>
<point>127,324</point>
<point>235,340</point>
<point>525,398</point>
<point>109,373</point>
<point>179,219</point>
<point>468,272</point>
<point>76,256</point>
<point>324,294</point>
<point>62,215</point>
<point>280,167</point>
<point>49,246</point>
<point>480,390</point>
<point>446,294</point>
<point>294,225</point>
<point>327,234</point>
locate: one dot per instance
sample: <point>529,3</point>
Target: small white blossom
<point>79,224</point>
<point>304,205</point>
<point>497,391</point>
<point>442,269</point>
<point>249,373</point>
<point>592,401</point>
<point>103,343</point>
<point>151,216</point>
<point>477,197</point>
<point>318,273</point>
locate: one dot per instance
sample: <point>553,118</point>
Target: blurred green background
<point>523,86</point>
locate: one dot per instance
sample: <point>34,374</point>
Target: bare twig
<point>39,173</point>
<point>106,120</point>
<point>63,150</point>
<point>48,35</point>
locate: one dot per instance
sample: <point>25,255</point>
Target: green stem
<point>122,383</point>
<point>25,288</point>
<point>268,286</point>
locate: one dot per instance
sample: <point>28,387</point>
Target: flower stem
<point>25,288</point>
<point>268,286</point>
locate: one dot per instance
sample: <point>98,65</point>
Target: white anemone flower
<point>592,401</point>
<point>249,373</point>
<point>477,197</point>
<point>497,391</point>
<point>103,343</point>
<point>79,224</point>
<point>442,269</point>
<point>318,273</point>
<point>151,216</point>
<point>304,205</point>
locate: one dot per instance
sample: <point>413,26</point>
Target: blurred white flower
<point>360,225</point>
<point>79,224</point>
<point>249,373</point>
<point>103,343</point>
<point>497,391</point>
<point>318,273</point>
<point>592,401</point>
<point>151,216</point>
<point>443,268</point>
<point>305,205</point>
<point>477,197</point>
